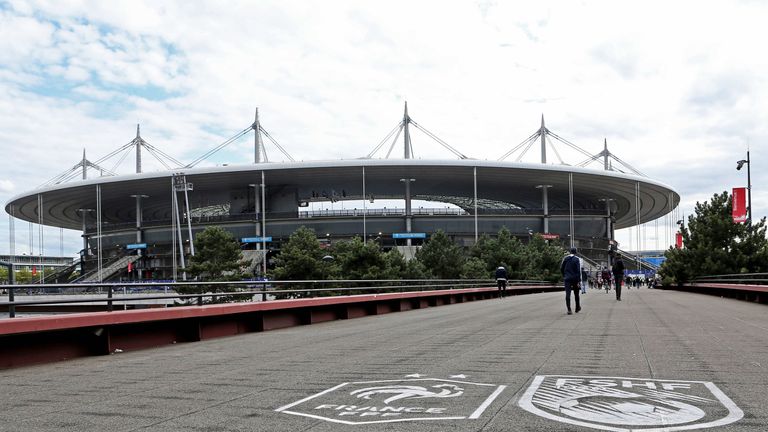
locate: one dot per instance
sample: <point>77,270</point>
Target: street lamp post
<point>739,165</point>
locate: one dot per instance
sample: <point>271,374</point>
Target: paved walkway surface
<point>658,360</point>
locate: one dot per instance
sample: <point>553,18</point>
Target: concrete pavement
<point>467,367</point>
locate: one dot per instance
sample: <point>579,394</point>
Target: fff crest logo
<point>629,404</point>
<point>387,401</point>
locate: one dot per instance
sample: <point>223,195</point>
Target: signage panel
<point>136,246</point>
<point>256,239</point>
<point>409,235</point>
<point>739,205</point>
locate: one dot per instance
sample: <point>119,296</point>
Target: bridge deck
<point>492,350</point>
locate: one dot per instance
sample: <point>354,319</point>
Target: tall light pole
<point>739,165</point>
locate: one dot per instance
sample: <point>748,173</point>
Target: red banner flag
<point>679,240</point>
<point>739,205</point>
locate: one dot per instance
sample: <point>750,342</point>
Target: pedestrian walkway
<point>519,364</point>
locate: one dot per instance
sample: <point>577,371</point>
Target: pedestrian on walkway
<point>618,275</point>
<point>584,280</point>
<point>501,280</point>
<point>605,275</point>
<point>571,271</point>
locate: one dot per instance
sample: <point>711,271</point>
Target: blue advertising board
<point>255,239</point>
<point>409,235</point>
<point>136,246</point>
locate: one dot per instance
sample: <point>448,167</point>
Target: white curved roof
<point>501,181</point>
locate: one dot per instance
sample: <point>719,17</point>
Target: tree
<point>301,258</point>
<point>542,260</point>
<point>357,260</point>
<point>713,244</point>
<point>504,250</point>
<point>217,258</point>
<point>441,256</point>
<point>474,268</point>
<point>414,269</point>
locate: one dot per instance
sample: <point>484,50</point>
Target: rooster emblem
<point>399,392</point>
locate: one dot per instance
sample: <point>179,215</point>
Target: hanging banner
<point>679,240</point>
<point>739,205</point>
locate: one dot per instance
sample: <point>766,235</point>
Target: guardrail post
<point>200,300</point>
<point>11,307</point>
<point>109,298</point>
<point>264,292</point>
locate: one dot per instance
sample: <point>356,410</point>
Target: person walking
<point>618,275</point>
<point>571,271</point>
<point>584,280</point>
<point>606,277</point>
<point>501,280</point>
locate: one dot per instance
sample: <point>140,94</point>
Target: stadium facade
<point>142,222</point>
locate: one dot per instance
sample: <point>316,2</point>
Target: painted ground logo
<point>410,399</point>
<point>629,404</point>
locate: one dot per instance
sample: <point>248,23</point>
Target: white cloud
<point>677,89</point>
<point>7,186</point>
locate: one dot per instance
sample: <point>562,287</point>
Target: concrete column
<point>545,205</point>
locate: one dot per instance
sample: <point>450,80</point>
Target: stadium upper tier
<point>490,186</point>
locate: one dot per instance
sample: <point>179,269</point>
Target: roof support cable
<point>219,147</point>
<point>590,160</point>
<point>568,143</point>
<point>122,158</point>
<point>440,141</point>
<point>279,147</point>
<point>554,149</point>
<point>528,147</point>
<point>628,166</point>
<point>152,150</point>
<point>163,154</point>
<point>386,138</point>
<point>523,143</point>
<point>65,175</point>
<point>394,141</point>
<point>114,152</point>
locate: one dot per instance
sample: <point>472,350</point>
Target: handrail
<point>739,278</point>
<point>395,285</point>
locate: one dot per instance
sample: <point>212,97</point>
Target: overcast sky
<point>678,89</point>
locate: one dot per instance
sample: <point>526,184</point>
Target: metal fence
<point>737,278</point>
<point>123,294</point>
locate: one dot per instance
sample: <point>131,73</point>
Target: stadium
<point>143,225</point>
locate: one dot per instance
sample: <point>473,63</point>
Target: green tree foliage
<point>442,257</point>
<point>504,250</point>
<point>475,268</point>
<point>415,269</point>
<point>217,258</point>
<point>713,244</point>
<point>542,260</point>
<point>301,258</point>
<point>357,260</point>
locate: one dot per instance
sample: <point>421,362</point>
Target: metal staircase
<point>107,271</point>
<point>62,275</point>
<point>630,259</point>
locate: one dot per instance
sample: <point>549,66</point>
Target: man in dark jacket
<point>618,276</point>
<point>571,270</point>
<point>501,280</point>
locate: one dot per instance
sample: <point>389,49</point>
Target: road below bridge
<point>658,360</point>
